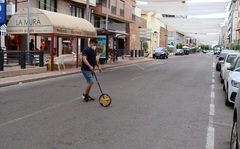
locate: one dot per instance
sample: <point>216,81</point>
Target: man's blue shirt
<point>91,58</point>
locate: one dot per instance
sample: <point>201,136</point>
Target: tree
<point>145,46</point>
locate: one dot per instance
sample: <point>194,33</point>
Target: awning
<point>47,22</point>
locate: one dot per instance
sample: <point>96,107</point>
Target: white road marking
<point>140,67</point>
<point>213,80</point>
<point>210,134</point>
<point>211,130</point>
<point>213,86</point>
<point>38,112</point>
<point>212,110</point>
<point>223,124</point>
<point>137,78</point>
<point>212,95</point>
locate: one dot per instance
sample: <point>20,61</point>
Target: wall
<point>133,29</point>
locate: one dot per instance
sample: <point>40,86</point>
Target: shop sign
<point>2,11</point>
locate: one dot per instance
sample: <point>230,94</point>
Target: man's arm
<point>84,57</point>
<point>98,65</point>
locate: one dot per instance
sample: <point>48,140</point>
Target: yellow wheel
<point>105,100</point>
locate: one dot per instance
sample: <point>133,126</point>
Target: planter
<point>146,54</point>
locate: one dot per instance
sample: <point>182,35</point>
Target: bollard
<point>23,60</point>
<point>1,60</point>
<point>41,61</point>
<point>131,53</point>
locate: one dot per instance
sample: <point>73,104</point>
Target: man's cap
<point>93,40</point>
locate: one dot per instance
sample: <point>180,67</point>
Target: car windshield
<point>159,50</point>
<point>231,58</point>
<point>178,50</point>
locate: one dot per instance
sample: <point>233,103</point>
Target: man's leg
<point>88,88</point>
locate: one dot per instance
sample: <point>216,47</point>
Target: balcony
<point>113,9</point>
<point>122,12</point>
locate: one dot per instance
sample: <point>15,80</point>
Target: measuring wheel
<point>105,100</point>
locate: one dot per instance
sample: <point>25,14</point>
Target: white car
<point>227,62</point>
<point>232,84</point>
<point>235,133</point>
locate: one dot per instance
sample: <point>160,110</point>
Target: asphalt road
<point>176,103</point>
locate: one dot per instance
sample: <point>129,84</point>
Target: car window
<point>237,65</point>
<point>230,58</point>
<point>159,50</point>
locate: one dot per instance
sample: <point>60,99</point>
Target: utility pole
<point>107,15</point>
<point>28,27</point>
<point>87,11</point>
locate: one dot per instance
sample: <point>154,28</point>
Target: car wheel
<point>222,80</point>
<point>218,67</point>
<point>227,103</point>
<point>234,136</point>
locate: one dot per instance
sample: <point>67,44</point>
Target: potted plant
<point>145,47</point>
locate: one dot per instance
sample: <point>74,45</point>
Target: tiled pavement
<point>7,81</point>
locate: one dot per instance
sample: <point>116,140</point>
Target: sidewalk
<point>7,81</point>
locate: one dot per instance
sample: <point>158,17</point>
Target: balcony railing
<point>122,12</point>
<point>113,9</point>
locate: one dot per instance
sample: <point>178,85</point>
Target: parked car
<point>161,52</point>
<point>235,133</point>
<point>221,58</point>
<point>216,52</point>
<point>227,62</point>
<point>179,52</point>
<point>231,84</point>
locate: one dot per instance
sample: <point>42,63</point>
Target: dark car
<point>221,58</point>
<point>161,52</point>
<point>179,52</point>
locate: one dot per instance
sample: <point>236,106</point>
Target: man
<point>89,61</point>
<point>31,48</point>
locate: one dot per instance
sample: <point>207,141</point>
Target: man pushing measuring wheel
<point>89,61</point>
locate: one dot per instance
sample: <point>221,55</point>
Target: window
<point>122,4</point>
<point>114,3</point>
<point>97,22</point>
<point>77,11</point>
<point>113,7</point>
<point>49,5</point>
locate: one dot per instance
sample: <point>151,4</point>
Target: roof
<point>47,22</point>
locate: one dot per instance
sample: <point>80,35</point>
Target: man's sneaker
<point>85,98</point>
<point>90,98</point>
